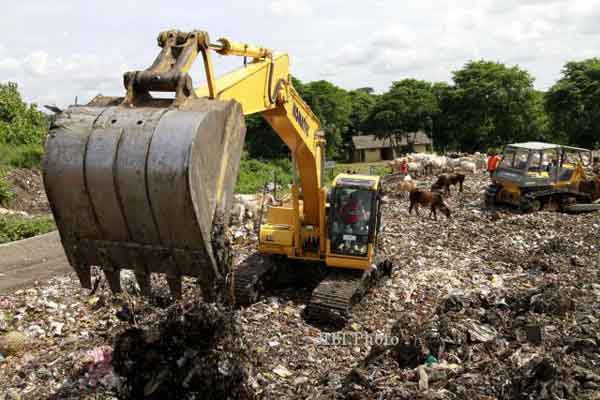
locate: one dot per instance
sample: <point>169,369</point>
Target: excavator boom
<point>147,183</point>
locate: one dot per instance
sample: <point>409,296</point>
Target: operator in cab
<point>354,213</point>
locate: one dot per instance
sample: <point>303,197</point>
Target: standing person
<point>492,163</point>
<point>404,167</point>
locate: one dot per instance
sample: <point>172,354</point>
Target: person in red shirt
<point>404,167</point>
<point>353,211</point>
<point>493,162</point>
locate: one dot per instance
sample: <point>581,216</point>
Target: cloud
<point>37,63</point>
<point>351,42</point>
<point>9,64</point>
<point>395,37</point>
<point>352,55</point>
<point>290,8</point>
<point>57,80</point>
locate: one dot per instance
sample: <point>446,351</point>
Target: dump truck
<point>146,183</point>
<point>536,176</point>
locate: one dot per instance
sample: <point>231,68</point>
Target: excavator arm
<point>264,86</point>
<point>146,183</point>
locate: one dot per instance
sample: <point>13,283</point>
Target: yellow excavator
<point>146,183</point>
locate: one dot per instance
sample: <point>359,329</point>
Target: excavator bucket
<point>145,188</point>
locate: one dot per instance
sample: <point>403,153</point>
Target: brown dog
<point>434,200</point>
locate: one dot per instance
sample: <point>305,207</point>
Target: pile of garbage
<point>490,304</point>
<point>196,352</point>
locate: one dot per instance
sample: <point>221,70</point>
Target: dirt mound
<point>28,187</point>
<point>197,352</point>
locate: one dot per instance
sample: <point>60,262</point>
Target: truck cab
<point>538,171</point>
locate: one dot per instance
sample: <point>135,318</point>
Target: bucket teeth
<point>175,286</point>
<point>113,276</point>
<point>85,275</point>
<point>143,281</point>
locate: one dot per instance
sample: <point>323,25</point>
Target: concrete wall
<point>372,155</point>
<point>420,148</point>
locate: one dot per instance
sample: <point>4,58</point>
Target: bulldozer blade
<point>140,188</point>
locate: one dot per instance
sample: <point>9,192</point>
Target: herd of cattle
<point>422,164</point>
<point>450,170</point>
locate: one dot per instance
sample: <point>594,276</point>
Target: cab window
<point>350,223</point>
<point>515,158</point>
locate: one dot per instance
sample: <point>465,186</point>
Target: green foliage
<point>23,156</point>
<point>16,227</point>
<point>332,105</point>
<point>573,103</point>
<point>362,103</point>
<point>254,174</point>
<point>261,141</point>
<point>492,105</point>
<point>409,106</point>
<point>6,193</point>
<point>19,123</point>
<point>342,114</point>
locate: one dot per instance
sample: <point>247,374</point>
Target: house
<point>369,148</point>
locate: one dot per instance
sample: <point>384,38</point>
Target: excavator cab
<point>354,217</point>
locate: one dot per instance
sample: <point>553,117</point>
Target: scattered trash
<point>195,352</point>
<point>282,371</point>
<point>535,334</point>
<point>480,333</point>
<point>489,304</point>
<point>13,343</point>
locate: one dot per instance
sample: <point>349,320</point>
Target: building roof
<point>543,146</point>
<point>366,142</point>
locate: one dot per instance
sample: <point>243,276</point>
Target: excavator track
<point>333,299</point>
<point>249,280</point>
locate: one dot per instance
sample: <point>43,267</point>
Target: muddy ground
<point>486,305</point>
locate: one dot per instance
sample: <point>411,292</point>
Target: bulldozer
<point>535,176</point>
<point>146,183</point>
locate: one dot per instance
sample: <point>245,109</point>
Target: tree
<point>409,106</point>
<point>361,103</point>
<point>573,104</point>
<point>493,105</point>
<point>20,123</point>
<point>261,140</point>
<point>445,122</point>
<point>332,105</point>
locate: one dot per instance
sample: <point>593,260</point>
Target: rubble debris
<point>13,343</point>
<point>196,352</point>
<point>461,306</point>
<point>29,194</point>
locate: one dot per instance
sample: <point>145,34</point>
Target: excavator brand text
<point>300,119</point>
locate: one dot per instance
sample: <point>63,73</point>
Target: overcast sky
<point>56,50</point>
